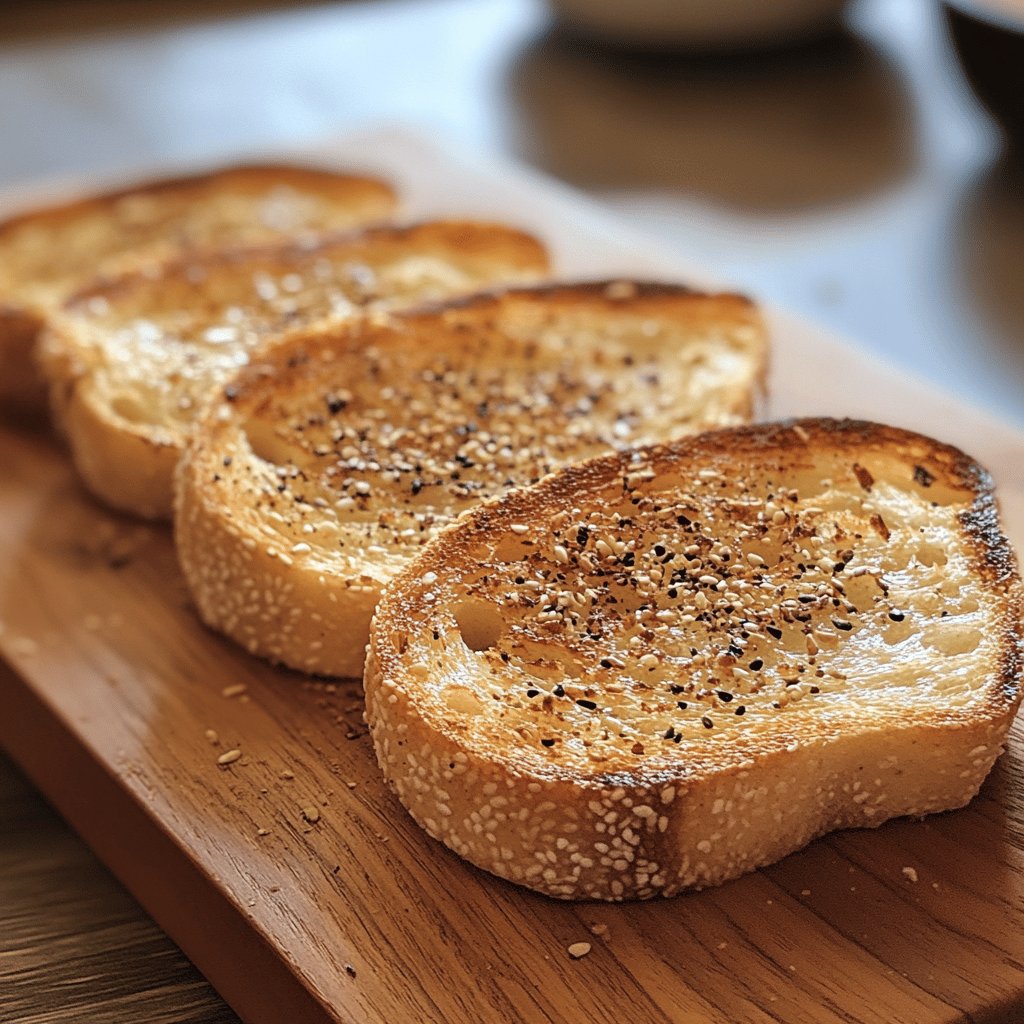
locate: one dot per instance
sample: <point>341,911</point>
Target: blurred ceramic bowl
<point>700,24</point>
<point>989,39</point>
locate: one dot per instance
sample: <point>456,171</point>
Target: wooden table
<point>856,182</point>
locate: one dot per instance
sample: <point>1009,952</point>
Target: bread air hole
<point>930,554</point>
<point>265,444</point>
<point>480,624</point>
<point>130,408</point>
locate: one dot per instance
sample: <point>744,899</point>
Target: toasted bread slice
<point>659,670</point>
<point>330,464</point>
<point>47,254</point>
<point>132,361</point>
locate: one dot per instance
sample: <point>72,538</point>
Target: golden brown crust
<point>247,176</point>
<point>39,266</point>
<point>129,360</point>
<point>436,408</point>
<point>718,794</point>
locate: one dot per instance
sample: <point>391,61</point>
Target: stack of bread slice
<point>47,254</point>
<point>131,361</point>
<point>621,643</point>
<point>330,461</point>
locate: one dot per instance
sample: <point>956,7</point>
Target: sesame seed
<point>229,756</point>
<point>578,950</point>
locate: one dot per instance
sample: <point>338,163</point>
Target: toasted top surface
<point>696,605</point>
<point>156,343</point>
<point>361,441</point>
<point>45,253</point>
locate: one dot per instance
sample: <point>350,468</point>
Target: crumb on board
<point>235,690</point>
<point>24,646</point>
<point>229,756</point>
<point>350,970</point>
<point>287,774</point>
<point>578,950</point>
<point>910,874</point>
<point>311,814</point>
<point>599,928</point>
<point>212,737</point>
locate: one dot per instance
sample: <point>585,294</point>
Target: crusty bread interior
<point>46,254</point>
<point>331,461</point>
<point>659,670</point>
<point>133,360</point>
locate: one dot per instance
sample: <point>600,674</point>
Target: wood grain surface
<point>299,886</point>
<point>66,924</point>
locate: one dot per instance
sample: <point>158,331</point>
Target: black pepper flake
<point>723,695</point>
<point>676,688</point>
<point>683,520</point>
<point>559,690</point>
<point>774,631</point>
<point>707,723</point>
<point>682,705</point>
<point>678,738</point>
<point>547,743</point>
<point>605,663</point>
<point>335,404</point>
<point>588,704</point>
<point>669,733</point>
<point>756,665</point>
<point>532,693</point>
<point>350,970</point>
<point>842,624</point>
<point>923,477</point>
<point>417,486</point>
<point>227,460</point>
<point>741,709</point>
<point>897,616</point>
<point>582,536</point>
<point>815,689</point>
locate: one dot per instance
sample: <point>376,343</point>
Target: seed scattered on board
<point>229,757</point>
<point>234,691</point>
<point>578,950</point>
<point>910,874</point>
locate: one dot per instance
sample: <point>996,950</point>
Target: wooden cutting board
<point>300,887</point>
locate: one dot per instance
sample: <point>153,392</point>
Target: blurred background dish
<point>796,128</point>
<point>701,24</point>
<point>989,39</point>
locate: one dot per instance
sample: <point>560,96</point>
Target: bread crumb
<point>212,737</point>
<point>579,949</point>
<point>287,774</point>
<point>229,756</point>
<point>805,892</point>
<point>234,691</point>
<point>910,874</point>
<point>311,814</point>
<point>263,832</point>
<point>24,646</point>
<point>599,928</point>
